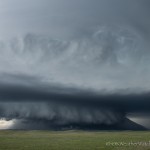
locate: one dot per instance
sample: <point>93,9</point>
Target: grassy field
<point>74,140</point>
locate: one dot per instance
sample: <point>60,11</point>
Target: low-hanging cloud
<point>56,106</point>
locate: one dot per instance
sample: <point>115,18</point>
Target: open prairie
<point>74,140</point>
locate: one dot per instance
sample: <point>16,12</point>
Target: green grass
<point>71,140</point>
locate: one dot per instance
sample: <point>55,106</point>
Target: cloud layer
<point>110,58</point>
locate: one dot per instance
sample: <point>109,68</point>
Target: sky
<point>67,63</point>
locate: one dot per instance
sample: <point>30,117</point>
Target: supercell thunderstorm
<point>93,80</point>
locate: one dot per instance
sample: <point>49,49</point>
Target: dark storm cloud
<point>58,107</point>
<point>62,83</point>
<point>74,63</point>
<point>123,101</point>
<point>53,105</point>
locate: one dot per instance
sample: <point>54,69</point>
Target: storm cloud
<point>74,63</point>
